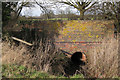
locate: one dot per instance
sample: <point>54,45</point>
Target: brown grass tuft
<point>103,60</point>
<point>39,58</point>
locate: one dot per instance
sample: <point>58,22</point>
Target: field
<point>45,60</point>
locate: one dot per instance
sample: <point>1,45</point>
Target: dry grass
<point>103,60</point>
<point>44,55</point>
<point>15,55</point>
<point>32,57</point>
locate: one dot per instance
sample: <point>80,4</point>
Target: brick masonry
<point>83,35</point>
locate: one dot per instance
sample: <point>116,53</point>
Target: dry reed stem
<point>103,60</point>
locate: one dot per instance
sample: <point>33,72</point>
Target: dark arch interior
<point>76,58</point>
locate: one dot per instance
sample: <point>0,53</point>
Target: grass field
<point>19,71</point>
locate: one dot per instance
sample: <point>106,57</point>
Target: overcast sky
<point>36,11</point>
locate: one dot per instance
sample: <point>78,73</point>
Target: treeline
<point>70,17</point>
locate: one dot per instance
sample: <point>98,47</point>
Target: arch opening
<point>78,58</point>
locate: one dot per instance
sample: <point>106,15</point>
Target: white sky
<point>35,11</point>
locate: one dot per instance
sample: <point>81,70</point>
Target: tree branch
<point>70,4</point>
<point>90,6</point>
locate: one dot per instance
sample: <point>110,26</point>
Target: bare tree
<point>17,8</point>
<point>48,15</point>
<point>81,5</point>
<point>113,10</point>
<point>116,9</point>
<point>11,11</point>
<point>44,7</point>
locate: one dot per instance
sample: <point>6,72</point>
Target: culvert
<point>78,58</point>
<point>74,64</point>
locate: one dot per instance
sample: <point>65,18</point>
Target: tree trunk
<point>118,17</point>
<point>81,15</point>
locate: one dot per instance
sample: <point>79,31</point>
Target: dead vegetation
<point>41,57</point>
<point>103,60</point>
<point>15,55</point>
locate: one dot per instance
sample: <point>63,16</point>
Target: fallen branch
<point>22,41</point>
